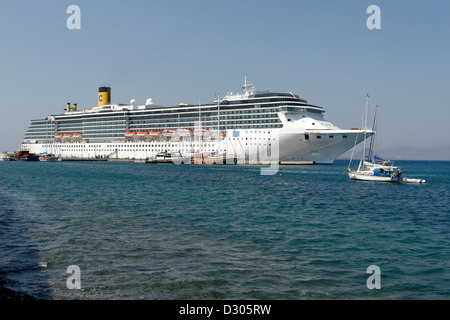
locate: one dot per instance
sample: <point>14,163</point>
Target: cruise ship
<point>250,126</point>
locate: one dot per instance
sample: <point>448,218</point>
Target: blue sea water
<point>146,231</point>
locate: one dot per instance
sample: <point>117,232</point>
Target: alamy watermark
<point>203,146</point>
<point>74,281</point>
<point>374,281</point>
<point>74,20</point>
<point>374,21</point>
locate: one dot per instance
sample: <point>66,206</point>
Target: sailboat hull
<point>369,176</point>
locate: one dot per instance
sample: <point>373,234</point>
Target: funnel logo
<point>100,97</point>
<point>74,21</point>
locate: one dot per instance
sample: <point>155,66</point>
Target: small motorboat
<point>411,180</point>
<point>168,157</point>
<point>6,156</point>
<point>47,157</point>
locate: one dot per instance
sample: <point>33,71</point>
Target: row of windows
<point>210,118</point>
<point>102,135</point>
<point>118,118</point>
<point>96,128</point>
<point>159,126</point>
<point>40,122</point>
<point>330,137</point>
<point>209,123</point>
<point>43,125</point>
<point>104,123</point>
<point>69,123</point>
<point>104,129</point>
<point>139,144</point>
<point>223,126</point>
<point>39,134</point>
<point>256,101</point>
<point>195,113</point>
<point>298,109</point>
<point>62,123</point>
<point>140,147</point>
<point>62,126</point>
<point>34,137</point>
<point>40,130</point>
<point>155,148</point>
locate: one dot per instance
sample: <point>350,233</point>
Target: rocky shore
<point>8,294</point>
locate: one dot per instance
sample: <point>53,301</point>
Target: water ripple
<point>225,232</point>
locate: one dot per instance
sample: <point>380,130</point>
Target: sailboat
<point>371,167</point>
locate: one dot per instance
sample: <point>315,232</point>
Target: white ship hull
<point>292,147</point>
<point>325,150</point>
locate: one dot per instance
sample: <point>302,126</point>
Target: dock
<point>297,162</point>
<point>82,159</point>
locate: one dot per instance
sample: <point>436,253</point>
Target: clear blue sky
<point>186,51</point>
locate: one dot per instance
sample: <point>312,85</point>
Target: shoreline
<point>9,294</point>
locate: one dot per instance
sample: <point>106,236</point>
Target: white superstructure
<point>239,125</point>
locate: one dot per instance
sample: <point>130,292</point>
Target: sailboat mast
<point>372,146</point>
<point>371,155</point>
<point>365,133</point>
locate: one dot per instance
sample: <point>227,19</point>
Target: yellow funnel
<point>104,96</point>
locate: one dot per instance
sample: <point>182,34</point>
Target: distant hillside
<point>406,153</point>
